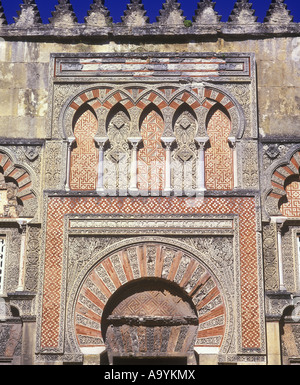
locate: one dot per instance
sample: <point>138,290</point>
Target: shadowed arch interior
<point>149,317</point>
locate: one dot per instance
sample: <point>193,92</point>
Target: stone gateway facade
<point>149,187</point>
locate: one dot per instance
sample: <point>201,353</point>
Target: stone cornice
<point>256,30</point>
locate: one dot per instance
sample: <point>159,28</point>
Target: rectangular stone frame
<point>230,75</point>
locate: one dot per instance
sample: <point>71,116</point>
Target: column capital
<point>23,224</point>
<point>279,222</point>
<point>201,141</point>
<point>232,140</point>
<point>134,141</point>
<point>168,141</point>
<point>101,141</point>
<point>71,140</point>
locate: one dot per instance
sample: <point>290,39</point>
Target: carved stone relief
<point>270,257</point>
<point>185,155</point>
<point>54,172</point>
<point>290,258</point>
<point>250,165</point>
<point>32,258</point>
<point>116,158</point>
<point>12,260</point>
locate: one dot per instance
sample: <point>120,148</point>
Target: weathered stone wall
<point>31,105</point>
<point>24,74</point>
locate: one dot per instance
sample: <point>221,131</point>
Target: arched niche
<point>18,197</point>
<point>84,152</point>
<point>289,204</point>
<point>184,157</point>
<point>219,174</point>
<point>151,156</point>
<point>149,319</point>
<point>117,154</point>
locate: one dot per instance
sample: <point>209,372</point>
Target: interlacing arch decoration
<point>16,180</point>
<point>286,186</point>
<point>98,103</point>
<point>169,98</point>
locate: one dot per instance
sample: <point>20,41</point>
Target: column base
<point>134,191</point>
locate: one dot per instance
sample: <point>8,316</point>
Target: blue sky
<point>117,7</point>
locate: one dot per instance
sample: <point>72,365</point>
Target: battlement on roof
<point>135,22</point>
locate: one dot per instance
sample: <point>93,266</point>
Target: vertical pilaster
<point>279,221</point>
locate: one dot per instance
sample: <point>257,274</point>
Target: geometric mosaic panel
<point>292,207</point>
<point>85,155</point>
<point>219,157</point>
<point>58,207</point>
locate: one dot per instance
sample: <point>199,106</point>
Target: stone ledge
<point>257,30</point>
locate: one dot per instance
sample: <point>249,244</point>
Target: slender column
<point>133,189</point>
<point>201,141</point>
<point>280,261</point>
<point>279,223</point>
<point>235,168</point>
<point>168,143</point>
<point>100,181</point>
<point>67,184</point>
<point>21,282</point>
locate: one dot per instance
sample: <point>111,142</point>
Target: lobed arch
<point>21,175</point>
<point>118,107</point>
<point>199,99</point>
<point>283,172</point>
<point>84,154</point>
<point>130,261</point>
<point>147,110</point>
